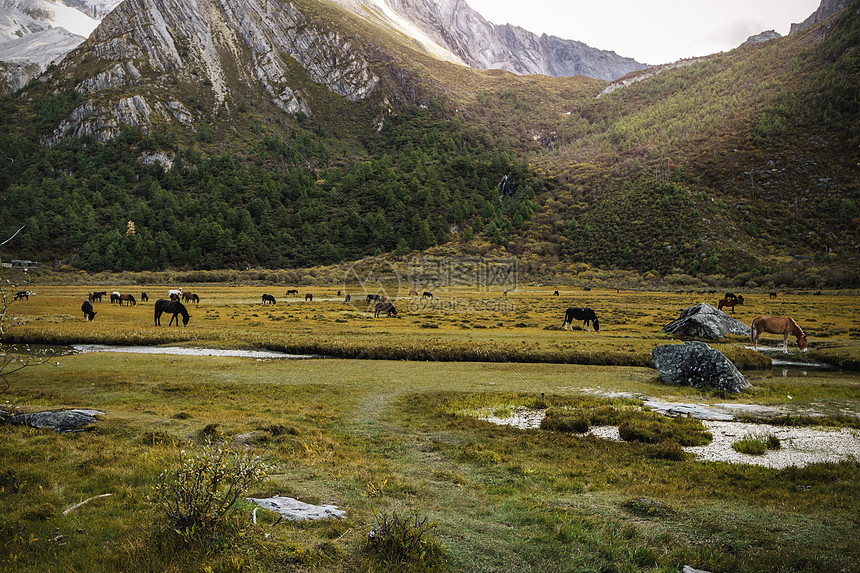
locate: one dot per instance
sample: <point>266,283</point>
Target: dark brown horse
<point>385,307</point>
<point>144,297</point>
<point>87,308</point>
<point>309,297</point>
<point>783,325</point>
<point>731,302</point>
<point>586,315</point>
<point>128,299</point>
<point>190,297</point>
<point>267,298</point>
<point>97,296</point>
<point>173,307</point>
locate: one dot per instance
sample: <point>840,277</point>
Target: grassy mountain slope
<point>744,165</point>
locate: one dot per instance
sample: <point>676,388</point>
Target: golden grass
<point>457,324</point>
<point>387,435</point>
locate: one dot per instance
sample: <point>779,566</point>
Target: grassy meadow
<point>397,433</point>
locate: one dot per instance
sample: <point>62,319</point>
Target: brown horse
<point>190,297</point>
<point>783,325</point>
<point>128,299</point>
<point>731,302</point>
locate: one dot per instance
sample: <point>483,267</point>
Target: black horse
<point>268,298</point>
<point>292,291</point>
<point>144,297</point>
<point>427,294</point>
<point>87,308</point>
<point>586,315</point>
<point>385,307</point>
<point>309,297</point>
<point>173,307</point>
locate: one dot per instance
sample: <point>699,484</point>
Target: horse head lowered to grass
<point>783,325</point>
<point>173,307</point>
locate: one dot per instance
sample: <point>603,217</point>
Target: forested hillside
<point>742,166</point>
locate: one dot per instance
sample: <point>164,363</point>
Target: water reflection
<point>191,351</point>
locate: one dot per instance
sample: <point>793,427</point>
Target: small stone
<point>296,510</point>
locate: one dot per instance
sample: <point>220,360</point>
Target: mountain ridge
<point>216,132</point>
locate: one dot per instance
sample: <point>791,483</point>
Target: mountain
<point>238,133</point>
<point>458,29</point>
<point>825,10</point>
<point>35,33</point>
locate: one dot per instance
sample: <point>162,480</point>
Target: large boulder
<point>61,421</point>
<point>704,321</point>
<point>698,365</point>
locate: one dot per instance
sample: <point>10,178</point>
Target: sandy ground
<point>799,445</point>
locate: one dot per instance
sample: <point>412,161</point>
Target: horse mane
<point>795,328</point>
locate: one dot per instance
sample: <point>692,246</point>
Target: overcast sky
<point>650,31</point>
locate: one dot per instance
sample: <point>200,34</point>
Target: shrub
<point>199,494</point>
<point>403,540</point>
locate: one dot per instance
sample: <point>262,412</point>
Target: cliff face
<point>484,45</point>
<point>146,51</point>
<point>825,10</point>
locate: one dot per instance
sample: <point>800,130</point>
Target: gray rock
<point>296,510</point>
<point>704,321</point>
<point>697,365</point>
<point>62,421</point>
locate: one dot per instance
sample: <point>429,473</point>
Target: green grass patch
<point>756,444</point>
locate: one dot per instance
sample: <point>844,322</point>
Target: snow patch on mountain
<point>380,12</point>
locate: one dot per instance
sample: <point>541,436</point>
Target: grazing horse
<point>385,307</point>
<point>347,298</point>
<point>783,325</point>
<point>173,307</point>
<point>128,299</point>
<point>268,298</point>
<point>427,294</point>
<point>144,297</point>
<point>292,291</point>
<point>413,293</point>
<point>373,298</point>
<point>22,294</point>
<point>730,302</point>
<point>174,294</point>
<point>555,293</point>
<point>87,308</point>
<point>114,297</point>
<point>97,296</point>
<point>586,315</point>
<point>190,297</point>
<point>309,297</point>
<point>773,294</point>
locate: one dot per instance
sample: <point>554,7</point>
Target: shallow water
<point>191,351</point>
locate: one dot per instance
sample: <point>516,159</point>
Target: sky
<point>650,31</point>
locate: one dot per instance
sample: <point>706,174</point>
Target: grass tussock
<point>756,445</point>
<point>655,429</point>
